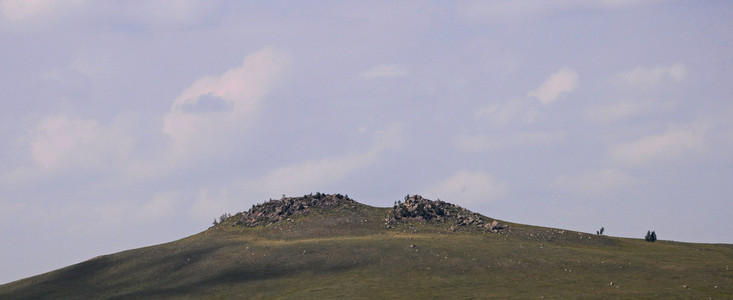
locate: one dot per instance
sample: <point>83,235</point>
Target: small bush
<point>223,217</point>
<point>651,236</point>
<point>600,232</point>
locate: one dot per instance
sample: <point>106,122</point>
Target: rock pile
<point>414,208</point>
<point>417,208</point>
<point>275,211</point>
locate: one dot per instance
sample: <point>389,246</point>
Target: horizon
<point>126,125</point>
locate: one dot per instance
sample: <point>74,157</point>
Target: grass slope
<point>350,253</point>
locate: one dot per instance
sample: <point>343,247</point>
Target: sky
<point>125,124</point>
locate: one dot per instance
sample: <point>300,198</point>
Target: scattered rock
<point>275,211</point>
<point>495,226</point>
<point>414,209</point>
<point>417,208</point>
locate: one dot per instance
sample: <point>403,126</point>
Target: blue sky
<point>127,124</point>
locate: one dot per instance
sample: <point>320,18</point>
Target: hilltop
<point>329,245</point>
<point>415,208</point>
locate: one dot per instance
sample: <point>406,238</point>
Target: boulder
<point>275,211</point>
<point>417,208</point>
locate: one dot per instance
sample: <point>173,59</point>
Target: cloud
<point>210,203</point>
<point>23,15</point>
<point>564,80</point>
<point>166,14</point>
<point>623,110</point>
<point>487,111</point>
<point>300,178</point>
<point>61,142</point>
<point>645,77</point>
<point>170,12</point>
<point>297,179</point>
<point>594,182</point>
<point>235,95</point>
<point>674,144</point>
<point>506,8</point>
<point>498,115</point>
<point>20,10</point>
<point>503,114</point>
<point>312,174</point>
<point>503,9</point>
<point>315,174</point>
<point>389,137</point>
<point>207,103</point>
<point>384,71</point>
<point>160,206</point>
<point>468,188</point>
<point>480,143</point>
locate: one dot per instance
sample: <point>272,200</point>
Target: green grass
<point>352,254</point>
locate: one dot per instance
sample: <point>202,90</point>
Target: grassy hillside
<point>348,251</point>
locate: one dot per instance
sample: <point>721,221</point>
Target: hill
<point>332,246</point>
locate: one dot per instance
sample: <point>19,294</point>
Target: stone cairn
<point>417,208</point>
<point>275,211</point>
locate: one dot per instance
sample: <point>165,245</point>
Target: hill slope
<point>331,246</point>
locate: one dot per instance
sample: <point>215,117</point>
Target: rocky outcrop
<point>414,209</point>
<point>275,211</point>
<point>417,208</point>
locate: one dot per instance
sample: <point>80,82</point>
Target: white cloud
<point>480,143</point>
<point>210,203</point>
<point>487,111</point>
<point>24,15</point>
<point>503,9</point>
<point>19,10</point>
<point>622,110</point>
<point>648,77</point>
<point>160,206</point>
<point>384,71</point>
<point>309,175</point>
<point>501,115</point>
<point>314,174</point>
<point>564,80</point>
<point>621,3</point>
<point>595,182</point>
<point>468,188</point>
<point>673,145</point>
<point>240,90</point>
<point>170,12</point>
<point>90,65</point>
<point>29,14</point>
<point>496,116</point>
<point>474,143</point>
<point>389,137</point>
<point>60,142</point>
